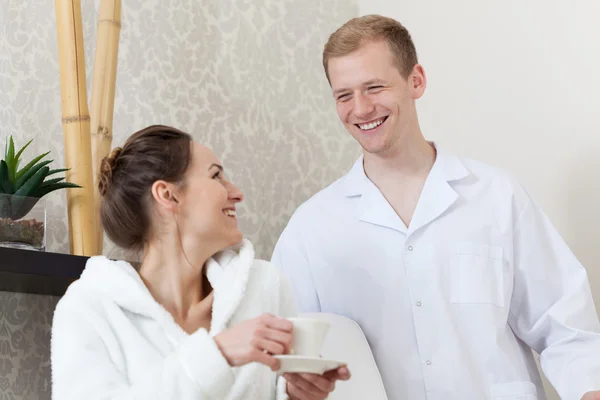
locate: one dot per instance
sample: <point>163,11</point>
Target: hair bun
<point>107,167</point>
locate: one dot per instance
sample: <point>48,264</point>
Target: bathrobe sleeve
<point>82,367</point>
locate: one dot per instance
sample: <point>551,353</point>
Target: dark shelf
<point>26,271</point>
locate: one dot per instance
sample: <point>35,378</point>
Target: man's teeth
<point>229,213</point>
<point>371,125</point>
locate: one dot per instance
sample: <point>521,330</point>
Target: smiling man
<point>448,265</point>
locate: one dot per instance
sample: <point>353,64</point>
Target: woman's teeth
<point>229,213</point>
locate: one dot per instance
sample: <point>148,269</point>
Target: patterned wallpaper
<point>25,346</point>
<point>243,76</point>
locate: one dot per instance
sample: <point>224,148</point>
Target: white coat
<point>451,304</point>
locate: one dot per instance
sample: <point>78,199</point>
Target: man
<point>448,265</point>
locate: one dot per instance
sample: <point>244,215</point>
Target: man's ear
<point>165,195</point>
<point>418,81</point>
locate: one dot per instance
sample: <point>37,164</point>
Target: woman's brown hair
<point>126,177</point>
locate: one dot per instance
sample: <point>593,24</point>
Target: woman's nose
<point>235,193</point>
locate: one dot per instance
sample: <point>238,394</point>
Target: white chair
<point>346,342</point>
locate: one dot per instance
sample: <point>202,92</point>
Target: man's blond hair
<point>372,28</point>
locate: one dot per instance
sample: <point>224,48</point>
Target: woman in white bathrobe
<point>200,318</point>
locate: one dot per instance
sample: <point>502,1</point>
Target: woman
<point>200,318</point>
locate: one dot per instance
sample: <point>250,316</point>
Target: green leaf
<point>28,166</point>
<point>51,188</point>
<point>5,185</point>
<point>33,183</point>
<point>21,152</point>
<point>56,171</point>
<point>10,160</point>
<point>29,189</point>
<point>9,140</point>
<point>51,181</point>
<point>31,172</point>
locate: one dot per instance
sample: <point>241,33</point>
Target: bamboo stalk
<point>76,127</point>
<point>103,92</point>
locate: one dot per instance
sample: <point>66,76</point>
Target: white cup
<point>308,336</point>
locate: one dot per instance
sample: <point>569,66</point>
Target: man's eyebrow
<point>375,82</point>
<point>338,91</point>
<point>367,83</point>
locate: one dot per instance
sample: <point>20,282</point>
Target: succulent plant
<point>20,189</point>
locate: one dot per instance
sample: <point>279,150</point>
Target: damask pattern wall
<point>243,76</point>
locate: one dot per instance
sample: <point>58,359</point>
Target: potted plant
<point>22,219</point>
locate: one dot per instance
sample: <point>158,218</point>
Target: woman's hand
<point>256,340</point>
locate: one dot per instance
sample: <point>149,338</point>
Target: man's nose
<point>363,106</point>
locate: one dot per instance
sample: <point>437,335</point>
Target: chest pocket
<point>477,277</point>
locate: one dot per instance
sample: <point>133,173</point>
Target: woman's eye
<point>217,175</point>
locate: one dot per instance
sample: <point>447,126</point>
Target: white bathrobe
<point>112,340</point>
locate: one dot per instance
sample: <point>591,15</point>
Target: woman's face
<point>207,200</point>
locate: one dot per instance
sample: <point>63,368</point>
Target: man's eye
<point>343,97</point>
<point>375,87</point>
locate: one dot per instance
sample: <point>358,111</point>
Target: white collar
<point>447,167</point>
<point>437,196</point>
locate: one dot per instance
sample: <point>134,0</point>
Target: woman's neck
<point>176,278</point>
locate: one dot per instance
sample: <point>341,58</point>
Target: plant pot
<point>22,222</point>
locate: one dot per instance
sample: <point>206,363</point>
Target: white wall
<point>517,83</point>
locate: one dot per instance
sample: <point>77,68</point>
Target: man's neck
<point>412,160</point>
<point>401,175</point>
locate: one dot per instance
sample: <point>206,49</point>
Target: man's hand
<point>312,386</point>
<point>591,395</point>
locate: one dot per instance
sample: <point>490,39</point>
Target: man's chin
<point>373,147</point>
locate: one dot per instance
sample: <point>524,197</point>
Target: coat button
<point>410,248</point>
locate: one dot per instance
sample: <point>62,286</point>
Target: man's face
<point>375,103</point>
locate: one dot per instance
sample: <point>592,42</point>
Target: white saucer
<point>301,364</point>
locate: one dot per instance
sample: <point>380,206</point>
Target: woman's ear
<point>165,195</point>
